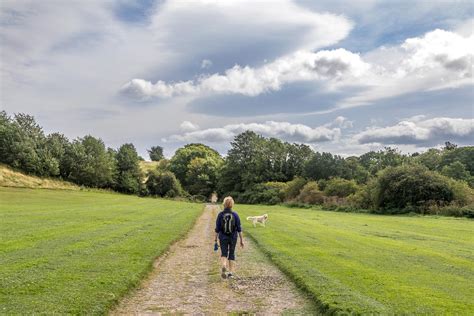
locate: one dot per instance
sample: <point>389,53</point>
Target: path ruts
<point>186,280</point>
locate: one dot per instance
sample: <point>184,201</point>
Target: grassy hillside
<point>369,263</point>
<point>11,178</point>
<point>146,166</point>
<point>79,252</point>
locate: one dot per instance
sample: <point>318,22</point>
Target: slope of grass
<point>146,166</point>
<point>369,263</point>
<point>12,178</point>
<point>79,252</point>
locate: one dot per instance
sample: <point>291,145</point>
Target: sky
<point>341,76</point>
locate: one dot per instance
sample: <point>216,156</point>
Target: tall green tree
<point>188,169</point>
<point>89,163</point>
<point>129,176</point>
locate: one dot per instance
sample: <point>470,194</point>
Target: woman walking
<point>227,229</point>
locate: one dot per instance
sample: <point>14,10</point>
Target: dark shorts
<point>228,247</point>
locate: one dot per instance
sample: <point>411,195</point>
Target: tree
<point>456,170</point>
<point>128,170</point>
<point>156,153</point>
<point>87,162</point>
<point>340,187</point>
<point>163,184</point>
<point>244,164</point>
<point>297,156</point>
<point>411,187</point>
<point>188,170</point>
<point>376,161</point>
<point>325,166</point>
<point>202,175</point>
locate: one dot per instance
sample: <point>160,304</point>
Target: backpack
<point>228,223</point>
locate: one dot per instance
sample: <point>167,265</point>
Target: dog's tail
<point>249,217</point>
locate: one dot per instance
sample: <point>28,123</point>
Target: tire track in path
<point>186,280</point>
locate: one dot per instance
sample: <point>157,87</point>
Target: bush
<point>163,184</point>
<point>280,186</point>
<point>340,187</point>
<point>310,194</point>
<point>293,188</point>
<point>411,188</point>
<point>259,194</point>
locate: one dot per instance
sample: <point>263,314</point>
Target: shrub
<point>411,188</point>
<point>294,188</point>
<point>340,187</point>
<point>280,186</point>
<point>259,194</point>
<point>310,194</point>
<point>163,184</point>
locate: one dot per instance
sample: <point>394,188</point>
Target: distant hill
<point>148,165</point>
<point>12,178</point>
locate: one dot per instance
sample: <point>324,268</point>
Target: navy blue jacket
<point>219,228</point>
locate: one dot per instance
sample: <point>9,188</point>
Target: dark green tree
<point>129,176</point>
<point>156,153</point>
<point>187,172</point>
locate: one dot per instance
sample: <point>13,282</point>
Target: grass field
<point>79,252</point>
<point>368,263</point>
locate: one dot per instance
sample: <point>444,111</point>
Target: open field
<point>370,263</point>
<point>79,252</point>
<point>12,178</point>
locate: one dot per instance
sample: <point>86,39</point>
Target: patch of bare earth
<point>186,280</point>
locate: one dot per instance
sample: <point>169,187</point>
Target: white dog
<point>258,219</point>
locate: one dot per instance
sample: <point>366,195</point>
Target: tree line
<point>256,169</point>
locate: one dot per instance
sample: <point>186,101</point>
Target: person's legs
<point>225,244</point>
<point>231,257</point>
<point>224,263</point>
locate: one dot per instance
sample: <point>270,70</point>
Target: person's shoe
<point>230,275</point>
<point>223,274</point>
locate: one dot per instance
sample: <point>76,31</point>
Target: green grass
<point>79,252</point>
<point>365,263</point>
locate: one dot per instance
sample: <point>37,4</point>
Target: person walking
<point>228,228</point>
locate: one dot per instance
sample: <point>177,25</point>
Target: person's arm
<point>218,227</point>
<point>239,230</point>
<point>241,239</point>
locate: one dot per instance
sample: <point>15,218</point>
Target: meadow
<point>364,263</point>
<point>79,252</point>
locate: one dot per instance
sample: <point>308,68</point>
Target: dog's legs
<point>254,222</point>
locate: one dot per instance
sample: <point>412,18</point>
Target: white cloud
<point>188,126</point>
<point>206,63</point>
<point>419,130</point>
<point>439,59</point>
<point>284,130</point>
<point>331,65</point>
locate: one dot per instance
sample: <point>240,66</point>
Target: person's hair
<point>228,202</point>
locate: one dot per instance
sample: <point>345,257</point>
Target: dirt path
<point>187,281</point>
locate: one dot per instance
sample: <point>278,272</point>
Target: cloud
<point>439,59</point>
<point>188,126</point>
<point>284,130</point>
<point>206,63</point>
<point>333,65</point>
<point>418,130</point>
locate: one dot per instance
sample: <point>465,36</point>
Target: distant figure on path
<point>227,229</point>
<point>214,198</point>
